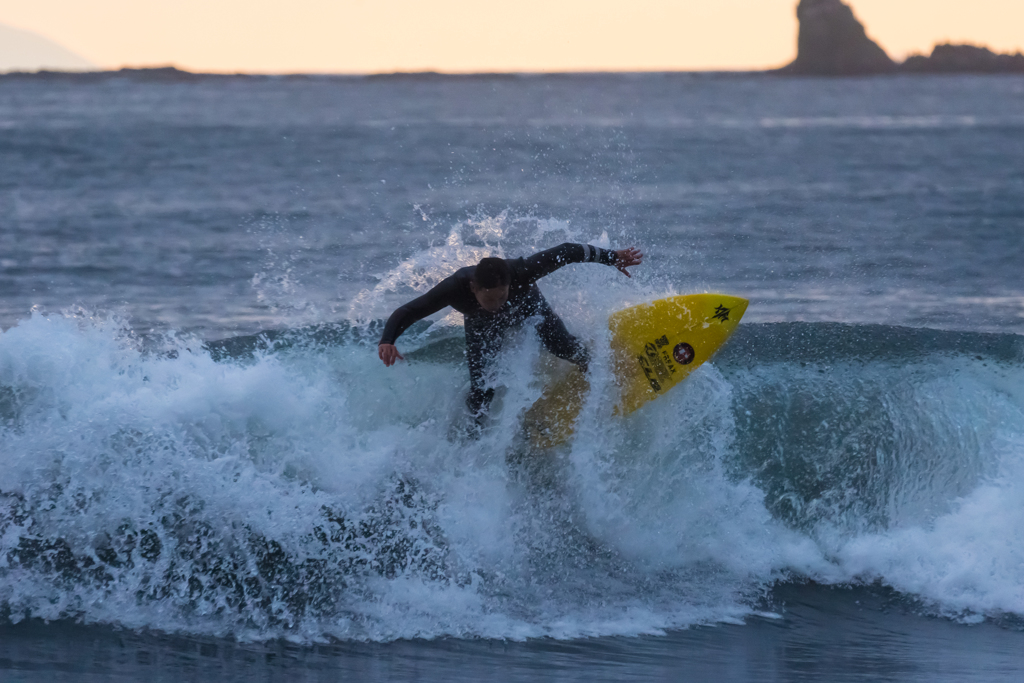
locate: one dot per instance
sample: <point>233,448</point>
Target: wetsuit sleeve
<point>444,293</point>
<point>548,261</point>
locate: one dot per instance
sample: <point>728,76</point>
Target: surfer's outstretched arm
<point>548,261</point>
<point>441,295</point>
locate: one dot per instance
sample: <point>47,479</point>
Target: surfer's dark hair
<point>492,272</point>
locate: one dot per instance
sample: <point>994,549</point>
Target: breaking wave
<point>288,485</point>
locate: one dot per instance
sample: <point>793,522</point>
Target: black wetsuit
<point>484,330</point>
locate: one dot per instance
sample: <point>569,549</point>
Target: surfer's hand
<point>624,258</point>
<point>389,354</point>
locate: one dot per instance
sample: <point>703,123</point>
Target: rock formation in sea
<point>947,58</point>
<point>833,42</point>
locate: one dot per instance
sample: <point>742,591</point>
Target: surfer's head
<point>490,283</point>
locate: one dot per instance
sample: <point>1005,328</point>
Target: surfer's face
<point>491,300</point>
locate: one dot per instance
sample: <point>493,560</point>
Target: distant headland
<point>832,42</point>
<point>172,74</point>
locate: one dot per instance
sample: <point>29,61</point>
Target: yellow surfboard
<point>654,347</point>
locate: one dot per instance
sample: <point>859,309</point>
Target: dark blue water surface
<point>891,200</point>
<point>206,474</point>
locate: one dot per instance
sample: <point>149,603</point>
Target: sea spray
<point>289,485</point>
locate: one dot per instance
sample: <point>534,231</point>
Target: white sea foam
<point>968,562</point>
<point>313,493</point>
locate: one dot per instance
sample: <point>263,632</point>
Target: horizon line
<point>429,71</point>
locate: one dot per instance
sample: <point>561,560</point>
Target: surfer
<point>496,295</point>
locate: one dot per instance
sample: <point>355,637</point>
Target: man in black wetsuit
<point>495,295</point>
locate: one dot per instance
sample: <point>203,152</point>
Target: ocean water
<point>205,472</point>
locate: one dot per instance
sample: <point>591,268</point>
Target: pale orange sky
<point>357,36</point>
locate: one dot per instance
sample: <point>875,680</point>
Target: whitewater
<point>298,489</point>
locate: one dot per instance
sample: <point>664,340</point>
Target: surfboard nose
<point>657,345</point>
<point>726,310</point>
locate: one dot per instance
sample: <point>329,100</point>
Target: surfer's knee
<point>478,401</point>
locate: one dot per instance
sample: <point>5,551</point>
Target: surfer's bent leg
<point>483,341</point>
<point>557,339</point>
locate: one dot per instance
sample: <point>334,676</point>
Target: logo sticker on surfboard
<point>655,363</point>
<point>683,353</point>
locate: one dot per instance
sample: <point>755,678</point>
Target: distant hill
<point>27,51</point>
